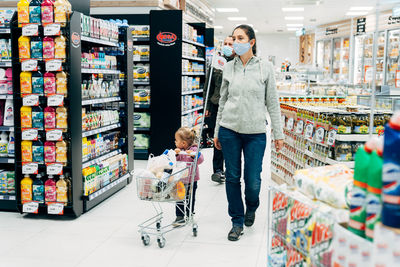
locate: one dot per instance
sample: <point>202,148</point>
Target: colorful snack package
<point>280,212</point>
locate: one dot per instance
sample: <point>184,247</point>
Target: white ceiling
<point>267,15</point>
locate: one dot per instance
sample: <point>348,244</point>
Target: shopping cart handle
<point>189,154</point>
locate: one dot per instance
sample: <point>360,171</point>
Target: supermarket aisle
<point>107,235</point>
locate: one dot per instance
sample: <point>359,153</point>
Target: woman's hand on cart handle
<point>217,144</point>
<point>278,144</point>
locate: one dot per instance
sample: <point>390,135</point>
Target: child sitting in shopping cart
<point>186,149</point>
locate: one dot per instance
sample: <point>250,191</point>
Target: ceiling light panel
<point>294,25</point>
<point>361,8</point>
<point>237,18</point>
<point>218,27</point>
<point>293,9</point>
<point>227,10</point>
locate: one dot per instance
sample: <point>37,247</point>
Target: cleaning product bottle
<point>37,83</point>
<point>26,189</point>
<point>35,11</point>
<point>50,191</point>
<point>25,79</point>
<point>61,152</point>
<point>23,12</point>
<point>61,83</point>
<point>24,47</point>
<point>60,47</point>
<point>48,47</point>
<point>49,81</point>
<point>49,152</point>
<point>60,12</point>
<point>11,145</point>
<point>391,173</point>
<point>61,118</point>
<point>36,47</point>
<point>49,118</point>
<point>37,117</point>
<point>3,144</point>
<point>8,113</point>
<point>26,117</point>
<point>26,151</point>
<point>47,11</point>
<point>38,189</point>
<point>62,190</point>
<point>38,151</point>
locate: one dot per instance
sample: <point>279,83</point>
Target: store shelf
<point>100,130</point>
<point>193,92</point>
<point>141,154</point>
<point>108,187</point>
<point>142,60</point>
<point>141,39</point>
<point>101,158</point>
<point>193,58</point>
<point>5,63</point>
<point>7,128</point>
<point>7,160</point>
<point>98,41</point>
<point>349,164</point>
<point>191,110</point>
<point>141,129</point>
<point>193,43</point>
<point>352,137</point>
<point>5,30</point>
<point>100,71</point>
<point>101,100</point>
<point>136,82</point>
<point>142,105</point>
<point>7,197</point>
<point>6,97</point>
<point>193,73</point>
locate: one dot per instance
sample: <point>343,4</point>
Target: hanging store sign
<point>361,24</point>
<point>331,31</point>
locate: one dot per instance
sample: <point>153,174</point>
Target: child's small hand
<point>191,153</point>
<point>177,150</point>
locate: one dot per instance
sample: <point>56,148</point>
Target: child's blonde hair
<point>187,134</point>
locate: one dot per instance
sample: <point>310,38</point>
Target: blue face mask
<point>227,50</point>
<point>240,48</point>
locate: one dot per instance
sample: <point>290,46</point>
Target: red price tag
<point>54,168</point>
<point>55,208</point>
<point>30,134</point>
<point>30,207</point>
<point>30,168</point>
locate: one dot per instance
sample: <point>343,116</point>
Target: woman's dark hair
<point>250,33</point>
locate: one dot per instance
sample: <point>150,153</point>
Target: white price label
<point>331,137</point>
<point>319,135</point>
<point>54,65</point>
<point>309,131</point>
<point>300,127</point>
<point>30,100</point>
<point>30,207</point>
<point>55,100</point>
<point>55,209</point>
<point>29,65</point>
<point>30,134</point>
<point>52,29</point>
<point>30,168</point>
<point>54,169</point>
<point>30,30</point>
<point>290,124</point>
<point>54,135</point>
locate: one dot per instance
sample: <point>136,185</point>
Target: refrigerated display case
<point>340,63</point>
<point>327,58</point>
<point>392,65</point>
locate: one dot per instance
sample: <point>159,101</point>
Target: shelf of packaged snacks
<point>7,128</point>
<point>5,30</point>
<point>193,58</point>
<point>193,73</point>
<point>5,63</point>
<point>108,187</point>
<point>192,92</point>
<point>349,164</point>
<point>99,41</point>
<point>142,82</point>
<point>141,129</point>
<point>191,110</point>
<point>101,158</point>
<point>193,43</point>
<point>100,130</point>
<point>8,197</point>
<point>7,160</point>
<point>6,97</point>
<point>141,39</point>
<point>100,71</point>
<point>142,105</point>
<point>100,100</point>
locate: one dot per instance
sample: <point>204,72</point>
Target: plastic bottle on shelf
<point>37,83</point>
<point>26,117</point>
<point>60,47</point>
<point>47,11</point>
<point>36,47</point>
<point>68,10</point>
<point>38,189</point>
<point>49,83</point>
<point>24,47</point>
<point>61,152</point>
<point>62,190</point>
<point>49,118</point>
<point>26,189</point>
<point>48,47</point>
<point>49,152</point>
<point>3,145</point>
<point>11,145</point>
<point>61,83</point>
<point>26,151</point>
<point>50,190</point>
<point>60,12</point>
<point>35,11</point>
<point>8,113</point>
<point>37,117</point>
<point>38,151</point>
<point>26,82</point>
<point>23,11</point>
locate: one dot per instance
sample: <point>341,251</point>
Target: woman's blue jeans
<point>253,147</point>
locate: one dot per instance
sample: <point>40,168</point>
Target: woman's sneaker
<point>179,221</point>
<point>235,233</point>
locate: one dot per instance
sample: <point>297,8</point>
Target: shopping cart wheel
<point>161,241</point>
<point>195,227</point>
<point>146,239</point>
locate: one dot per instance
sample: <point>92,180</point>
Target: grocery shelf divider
<point>193,43</point>
<point>98,41</point>
<point>100,100</point>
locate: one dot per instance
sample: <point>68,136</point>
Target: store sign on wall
<point>361,23</point>
<point>393,20</point>
<point>166,38</point>
<point>331,31</point>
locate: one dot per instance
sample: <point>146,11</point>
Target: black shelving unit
<point>77,44</point>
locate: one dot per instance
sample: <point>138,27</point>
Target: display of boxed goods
<point>141,72</point>
<point>140,30</point>
<point>141,52</point>
<point>141,141</point>
<point>142,95</point>
<point>190,33</point>
<point>141,119</point>
<point>190,83</point>
<point>189,66</point>
<point>7,183</point>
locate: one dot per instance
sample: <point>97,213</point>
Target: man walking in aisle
<point>212,108</point>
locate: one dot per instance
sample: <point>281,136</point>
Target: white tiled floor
<point>107,235</point>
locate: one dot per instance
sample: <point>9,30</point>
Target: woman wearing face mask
<point>248,92</point>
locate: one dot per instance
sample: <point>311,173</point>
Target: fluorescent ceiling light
<point>293,29</point>
<point>292,9</point>
<point>361,8</point>
<point>295,25</point>
<point>251,25</point>
<point>237,18</point>
<point>227,10</point>
<point>294,18</point>
<point>356,13</point>
<point>218,27</point>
